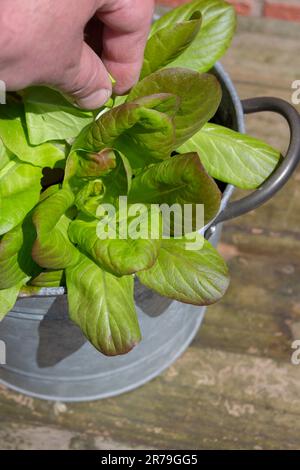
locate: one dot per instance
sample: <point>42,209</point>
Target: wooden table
<point>235,388</point>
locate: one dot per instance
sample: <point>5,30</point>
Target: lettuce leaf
<point>102,305</point>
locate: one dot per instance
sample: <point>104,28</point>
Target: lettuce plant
<point>157,145</point>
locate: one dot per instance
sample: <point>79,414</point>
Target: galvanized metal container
<point>47,355</point>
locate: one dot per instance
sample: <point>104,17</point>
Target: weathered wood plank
<point>265,54</point>
<point>259,320</point>
<point>15,436</point>
<point>221,400</point>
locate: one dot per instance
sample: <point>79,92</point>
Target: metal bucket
<point>47,355</point>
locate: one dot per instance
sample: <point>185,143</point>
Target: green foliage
<point>234,158</point>
<point>109,320</point>
<point>214,37</point>
<point>155,147</point>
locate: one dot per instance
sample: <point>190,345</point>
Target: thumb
<point>90,85</point>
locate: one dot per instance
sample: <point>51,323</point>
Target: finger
<point>125,32</point>
<point>89,82</point>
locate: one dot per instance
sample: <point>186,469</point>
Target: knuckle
<point>136,15</point>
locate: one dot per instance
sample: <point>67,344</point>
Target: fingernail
<point>95,100</point>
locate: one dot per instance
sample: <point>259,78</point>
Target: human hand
<point>42,42</point>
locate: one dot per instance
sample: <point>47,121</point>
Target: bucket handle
<point>284,170</point>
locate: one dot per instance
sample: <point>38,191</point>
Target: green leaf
<point>5,156</point>
<point>234,158</point>
<point>214,37</point>
<point>118,256</point>
<point>117,182</point>
<point>91,165</point>
<point>200,96</point>
<point>14,136</point>
<point>143,135</point>
<point>165,103</point>
<point>19,192</point>
<point>48,279</point>
<point>198,277</point>
<point>109,169</point>
<point>83,175</point>
<point>171,42</point>
<point>97,178</point>
<point>49,192</point>
<point>8,298</point>
<point>52,248</point>
<point>16,264</point>
<point>179,180</point>
<point>49,116</point>
<point>102,306</point>
<point>90,197</point>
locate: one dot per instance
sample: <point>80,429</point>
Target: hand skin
<point>42,42</point>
